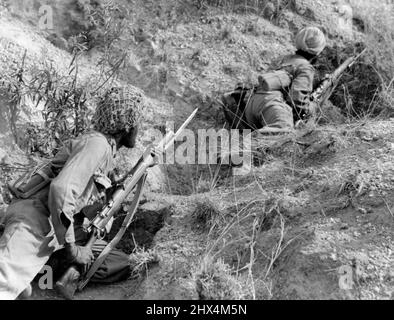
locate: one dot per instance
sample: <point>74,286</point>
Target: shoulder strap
<point>126,223</point>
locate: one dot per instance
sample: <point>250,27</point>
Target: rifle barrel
<point>337,73</point>
<point>347,64</point>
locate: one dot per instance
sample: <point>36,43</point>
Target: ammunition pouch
<point>32,182</point>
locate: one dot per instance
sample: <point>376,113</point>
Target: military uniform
<point>37,227</point>
<point>275,108</point>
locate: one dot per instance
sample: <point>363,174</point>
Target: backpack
<point>275,81</point>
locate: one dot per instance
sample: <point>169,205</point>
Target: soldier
<point>76,181</point>
<point>282,94</point>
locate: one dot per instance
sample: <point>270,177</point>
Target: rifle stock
<point>69,282</point>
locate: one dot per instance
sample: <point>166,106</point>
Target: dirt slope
<point>312,216</point>
<point>307,216</point>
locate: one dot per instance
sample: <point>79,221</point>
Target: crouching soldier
<point>281,97</point>
<point>46,221</point>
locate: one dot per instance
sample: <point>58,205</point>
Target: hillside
<point>314,217</point>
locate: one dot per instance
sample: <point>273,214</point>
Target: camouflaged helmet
<point>311,40</point>
<point>119,110</point>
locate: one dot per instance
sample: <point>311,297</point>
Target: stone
<point>3,209</point>
<point>3,156</point>
<point>362,210</point>
<point>345,12</point>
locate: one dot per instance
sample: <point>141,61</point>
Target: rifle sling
<point>126,223</point>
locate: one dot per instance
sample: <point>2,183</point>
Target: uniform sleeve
<point>61,158</point>
<point>302,84</point>
<point>68,187</point>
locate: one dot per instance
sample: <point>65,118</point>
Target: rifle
<point>329,84</point>
<point>72,281</point>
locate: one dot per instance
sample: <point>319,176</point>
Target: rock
<point>300,7</point>
<point>345,12</point>
<point>367,138</point>
<point>344,226</point>
<point>362,210</point>
<point>3,209</point>
<point>334,256</point>
<point>3,156</point>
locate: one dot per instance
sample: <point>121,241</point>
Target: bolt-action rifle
<point>330,82</point>
<point>134,180</point>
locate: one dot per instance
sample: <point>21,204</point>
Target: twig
<point>387,205</point>
<point>278,250</point>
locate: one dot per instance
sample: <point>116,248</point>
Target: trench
<point>195,178</point>
<point>141,233</point>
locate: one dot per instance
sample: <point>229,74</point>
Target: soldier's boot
<point>68,284</point>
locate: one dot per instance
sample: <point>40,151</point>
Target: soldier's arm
<point>69,186</point>
<point>302,85</point>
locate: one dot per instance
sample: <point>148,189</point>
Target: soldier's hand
<point>78,254</point>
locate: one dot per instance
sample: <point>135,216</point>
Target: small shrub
<point>66,111</point>
<point>227,34</point>
<point>384,104</point>
<point>359,84</point>
<point>140,260</point>
<point>65,103</point>
<point>253,28</point>
<point>331,115</point>
<point>215,281</point>
<point>102,22</point>
<point>38,140</point>
<point>377,22</point>
<point>207,214</point>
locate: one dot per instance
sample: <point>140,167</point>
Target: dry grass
<point>208,215</point>
<point>236,260</point>
<point>216,281</point>
<point>140,261</point>
<point>255,236</point>
<point>379,39</point>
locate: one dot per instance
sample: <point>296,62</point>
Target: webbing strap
<point>126,223</point>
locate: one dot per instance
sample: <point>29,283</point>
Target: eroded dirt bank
<point>311,222</point>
